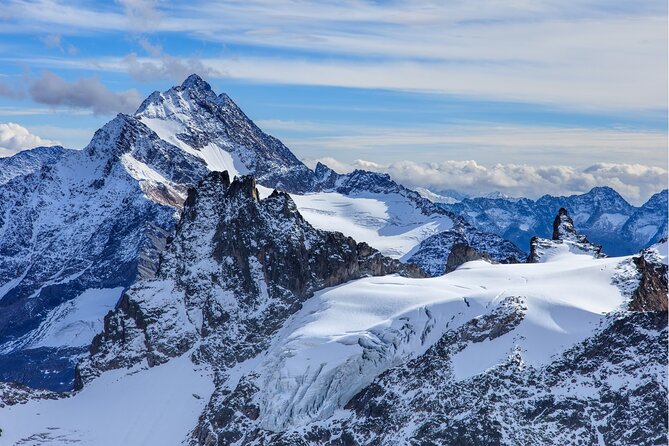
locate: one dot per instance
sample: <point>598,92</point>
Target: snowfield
<point>74,323</point>
<point>158,406</point>
<point>388,222</point>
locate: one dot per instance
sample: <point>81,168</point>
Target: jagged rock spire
<point>564,234</point>
<point>563,228</point>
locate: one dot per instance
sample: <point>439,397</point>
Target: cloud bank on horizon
<point>513,83</point>
<point>636,182</point>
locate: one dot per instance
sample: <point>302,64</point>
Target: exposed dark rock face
<point>463,253</point>
<point>236,268</point>
<point>564,235</point>
<point>15,393</point>
<point>651,295</point>
<point>563,228</point>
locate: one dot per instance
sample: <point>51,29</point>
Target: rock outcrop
<point>565,238</point>
<point>463,253</point>
<point>432,254</point>
<point>651,294</point>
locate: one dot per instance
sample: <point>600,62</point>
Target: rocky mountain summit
<point>565,238</point>
<point>192,117</point>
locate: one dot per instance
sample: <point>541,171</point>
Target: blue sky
<point>524,96</point>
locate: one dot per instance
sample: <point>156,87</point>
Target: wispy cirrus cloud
<point>163,66</point>
<point>488,142</point>
<point>589,54</point>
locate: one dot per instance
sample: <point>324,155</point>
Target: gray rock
<point>463,253</point>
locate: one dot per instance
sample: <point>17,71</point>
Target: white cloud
<point>52,41</point>
<point>14,138</point>
<point>635,182</point>
<point>87,93</point>
<point>141,12</point>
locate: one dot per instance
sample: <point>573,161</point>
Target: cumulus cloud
<point>87,92</point>
<point>14,138</point>
<point>636,182</point>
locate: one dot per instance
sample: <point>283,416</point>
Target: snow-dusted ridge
<point>389,222</point>
<point>601,214</point>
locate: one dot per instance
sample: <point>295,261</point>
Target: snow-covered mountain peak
<point>108,140</point>
<point>325,176</point>
<point>192,117</point>
<point>435,197</point>
<point>193,89</point>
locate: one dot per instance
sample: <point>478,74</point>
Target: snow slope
<point>347,335</point>
<point>75,322</point>
<point>158,406</point>
<point>388,222</point>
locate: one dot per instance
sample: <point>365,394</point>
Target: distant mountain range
<point>602,215</point>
